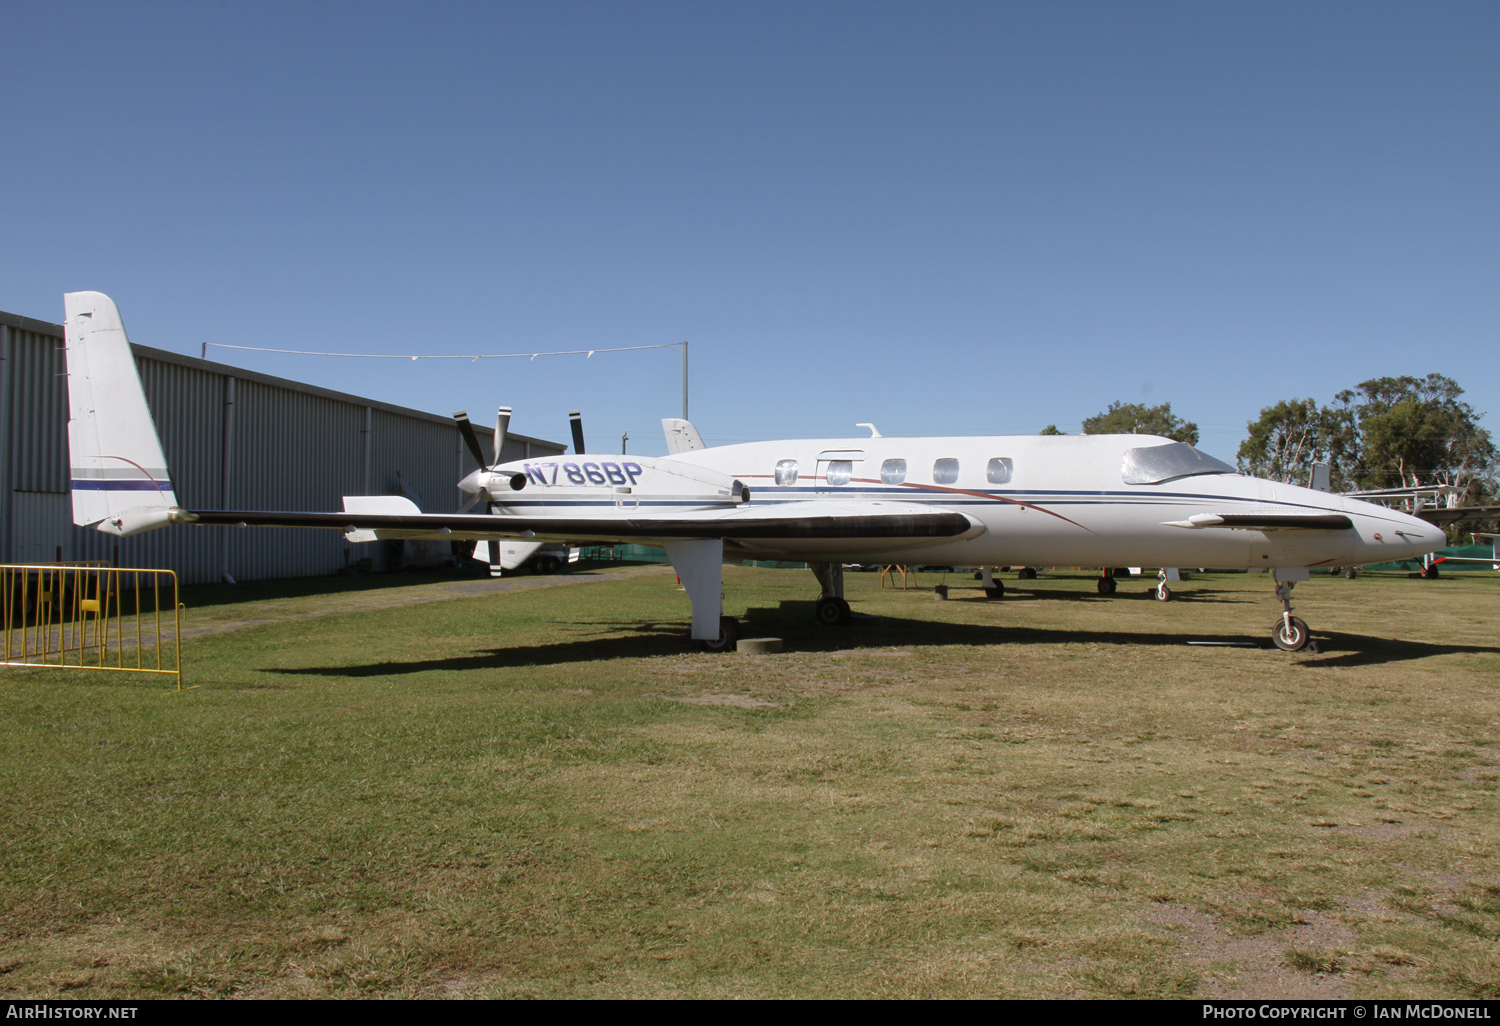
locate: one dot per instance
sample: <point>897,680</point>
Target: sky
<point>943,218</point>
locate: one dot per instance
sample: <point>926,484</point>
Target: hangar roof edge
<point>166,356</point>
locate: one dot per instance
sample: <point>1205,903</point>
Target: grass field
<point>542,792</point>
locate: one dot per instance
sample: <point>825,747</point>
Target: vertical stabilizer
<point>119,475</point>
<point>681,435</point>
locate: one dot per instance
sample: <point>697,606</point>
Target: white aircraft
<point>1071,500</point>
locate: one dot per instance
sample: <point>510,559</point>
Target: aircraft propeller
<point>577,419</point>
<point>466,428</point>
<point>502,425</point>
<point>471,439</point>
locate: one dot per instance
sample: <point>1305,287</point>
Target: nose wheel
<point>1290,633</point>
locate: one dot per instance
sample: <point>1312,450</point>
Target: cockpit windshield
<point>1156,463</point>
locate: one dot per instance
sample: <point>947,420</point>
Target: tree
<point>1415,432</point>
<point>1139,419</point>
<point>1051,429</point>
<point>1400,432</point>
<point>1292,436</point>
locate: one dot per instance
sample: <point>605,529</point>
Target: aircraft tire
<point>1163,593</point>
<point>1028,573</point>
<point>1350,573</point>
<point>729,635</point>
<point>832,611</point>
<point>1295,640</point>
<point>547,565</point>
<point>1107,585</point>
<point>1430,573</point>
<point>998,591</point>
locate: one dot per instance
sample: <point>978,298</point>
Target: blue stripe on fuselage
<point>95,485</point>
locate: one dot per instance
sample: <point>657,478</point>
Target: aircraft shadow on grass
<point>793,621</point>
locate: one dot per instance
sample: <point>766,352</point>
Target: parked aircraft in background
<point>1072,500</point>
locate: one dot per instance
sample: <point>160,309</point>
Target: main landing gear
<point>832,610</point>
<point>992,588</point>
<point>1290,633</point>
<point>699,563</point>
<point>729,635</point>
<point>1106,583</point>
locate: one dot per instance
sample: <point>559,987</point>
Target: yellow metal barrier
<point>85,615</point>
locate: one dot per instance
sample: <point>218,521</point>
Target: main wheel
<point>1107,586</point>
<point>1430,572</point>
<point>1349,573</point>
<point>1293,640</point>
<point>1028,573</point>
<point>547,564</point>
<point>1163,593</point>
<point>998,591</point>
<point>729,634</point>
<point>832,611</point>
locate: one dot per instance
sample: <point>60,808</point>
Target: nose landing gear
<point>1290,633</point>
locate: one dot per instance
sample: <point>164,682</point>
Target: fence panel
<point>91,616</point>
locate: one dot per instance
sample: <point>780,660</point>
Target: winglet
<point>119,476</point>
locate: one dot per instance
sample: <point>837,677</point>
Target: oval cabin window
<point>786,472</point>
<point>945,472</point>
<point>839,472</point>
<point>998,471</point>
<point>893,472</point>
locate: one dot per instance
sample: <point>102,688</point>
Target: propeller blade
<point>471,439</point>
<point>577,419</point>
<point>473,501</point>
<point>502,425</point>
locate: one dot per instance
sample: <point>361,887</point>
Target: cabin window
<point>893,472</point>
<point>786,472</point>
<point>839,472</point>
<point>1156,463</point>
<point>945,472</point>
<point>998,471</point>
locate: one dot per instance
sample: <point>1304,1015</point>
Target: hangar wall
<point>234,439</point>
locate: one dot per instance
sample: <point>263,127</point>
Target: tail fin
<point>119,475</point>
<point>681,435</point>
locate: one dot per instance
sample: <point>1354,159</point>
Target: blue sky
<point>946,218</point>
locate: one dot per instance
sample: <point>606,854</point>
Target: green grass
<point>502,795</point>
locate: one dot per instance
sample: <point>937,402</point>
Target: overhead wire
<point>443,356</point>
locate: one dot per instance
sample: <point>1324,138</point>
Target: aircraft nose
<point>1421,536</point>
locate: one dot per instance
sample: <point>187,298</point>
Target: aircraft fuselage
<point>1060,500</point>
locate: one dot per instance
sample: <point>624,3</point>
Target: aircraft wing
<point>1268,521</point>
<point>1441,517</point>
<point>886,521</point>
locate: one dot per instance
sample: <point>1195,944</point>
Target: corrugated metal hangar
<point>234,439</point>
